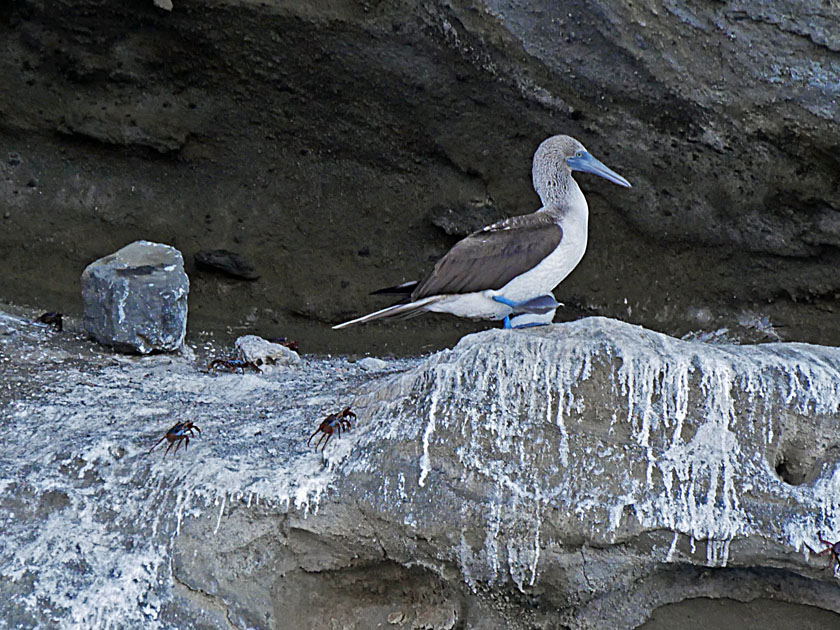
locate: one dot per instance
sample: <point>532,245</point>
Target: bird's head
<point>558,156</point>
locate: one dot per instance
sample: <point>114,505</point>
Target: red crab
<point>291,344</point>
<point>231,364</point>
<point>831,548</point>
<point>182,431</point>
<point>334,422</point>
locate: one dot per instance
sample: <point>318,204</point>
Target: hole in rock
<point>790,472</point>
<point>805,444</point>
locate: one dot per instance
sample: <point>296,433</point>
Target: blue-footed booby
<point>508,270</point>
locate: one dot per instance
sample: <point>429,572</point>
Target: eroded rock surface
<point>583,475</point>
<point>598,466</point>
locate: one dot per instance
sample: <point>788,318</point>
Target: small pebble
<point>370,363</point>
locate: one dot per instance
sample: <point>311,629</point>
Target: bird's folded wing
<point>493,256</point>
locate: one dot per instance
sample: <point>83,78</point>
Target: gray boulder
<point>135,300</point>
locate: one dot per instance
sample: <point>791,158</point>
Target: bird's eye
<point>579,154</point>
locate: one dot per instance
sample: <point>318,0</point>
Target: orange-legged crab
<point>231,364</point>
<point>831,548</point>
<point>182,431</point>
<point>334,422</point>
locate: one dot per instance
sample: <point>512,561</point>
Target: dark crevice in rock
<point>791,471</point>
<point>205,601</point>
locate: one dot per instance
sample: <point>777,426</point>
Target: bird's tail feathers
<point>397,311</point>
<point>404,288</point>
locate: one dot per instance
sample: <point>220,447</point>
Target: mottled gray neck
<point>559,192</point>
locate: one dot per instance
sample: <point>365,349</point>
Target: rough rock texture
<point>322,139</point>
<point>589,475</point>
<point>598,466</point>
<point>226,262</point>
<point>135,299</point>
<point>372,363</point>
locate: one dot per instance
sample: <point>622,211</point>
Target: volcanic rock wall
<point>343,146</point>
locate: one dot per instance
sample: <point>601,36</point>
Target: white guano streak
<point>425,458</point>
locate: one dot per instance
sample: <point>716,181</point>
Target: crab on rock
<point>231,364</point>
<point>334,422</point>
<point>181,432</point>
<point>831,548</point>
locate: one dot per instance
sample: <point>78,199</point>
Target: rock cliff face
<point>588,475</point>
<point>598,467</point>
<point>340,147</point>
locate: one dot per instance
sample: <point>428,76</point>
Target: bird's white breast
<point>542,279</point>
<point>539,280</point>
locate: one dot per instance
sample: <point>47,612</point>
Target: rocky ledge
<point>582,475</point>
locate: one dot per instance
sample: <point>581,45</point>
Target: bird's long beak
<point>588,164</point>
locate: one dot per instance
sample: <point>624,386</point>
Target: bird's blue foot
<point>539,305</point>
<point>530,325</point>
<point>529,320</point>
<point>538,311</point>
